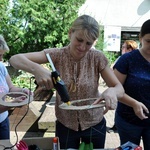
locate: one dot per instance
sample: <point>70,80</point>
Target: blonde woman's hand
<point>43,78</point>
<point>110,98</point>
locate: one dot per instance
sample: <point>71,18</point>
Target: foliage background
<point>33,25</point>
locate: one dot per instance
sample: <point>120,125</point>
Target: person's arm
<point>138,107</point>
<point>13,88</point>
<point>30,62</point>
<point>112,81</point>
<point>114,92</point>
<point>3,108</point>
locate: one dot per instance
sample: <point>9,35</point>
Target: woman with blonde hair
<point>80,67</point>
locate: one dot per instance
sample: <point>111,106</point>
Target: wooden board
<point>47,119</point>
<point>30,120</point>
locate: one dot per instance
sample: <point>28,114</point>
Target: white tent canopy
<point>127,13</point>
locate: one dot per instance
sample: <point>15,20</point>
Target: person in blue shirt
<point>6,86</point>
<point>127,46</point>
<point>132,117</point>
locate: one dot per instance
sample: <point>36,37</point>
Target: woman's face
<point>124,49</point>
<point>145,43</point>
<point>79,44</point>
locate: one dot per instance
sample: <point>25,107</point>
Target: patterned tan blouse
<point>82,81</point>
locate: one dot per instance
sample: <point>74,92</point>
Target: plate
<point>15,99</point>
<point>81,104</point>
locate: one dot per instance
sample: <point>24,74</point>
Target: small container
<point>55,143</point>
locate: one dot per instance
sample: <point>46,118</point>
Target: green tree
<point>32,25</point>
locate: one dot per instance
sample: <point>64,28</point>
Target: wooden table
<point>5,143</point>
<point>47,120</point>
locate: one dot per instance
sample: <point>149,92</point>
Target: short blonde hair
<point>3,44</point>
<point>131,44</point>
<point>88,24</point>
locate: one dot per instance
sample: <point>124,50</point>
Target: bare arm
<point>30,62</point>
<point>112,81</point>
<point>3,108</point>
<point>115,90</point>
<point>13,88</point>
<point>138,107</point>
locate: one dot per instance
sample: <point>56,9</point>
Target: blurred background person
<point>128,46</point>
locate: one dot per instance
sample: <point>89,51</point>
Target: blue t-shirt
<point>3,87</point>
<point>136,85</point>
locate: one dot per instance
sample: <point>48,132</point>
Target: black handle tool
<point>59,84</point>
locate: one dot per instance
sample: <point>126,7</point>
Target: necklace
<point>73,85</point>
